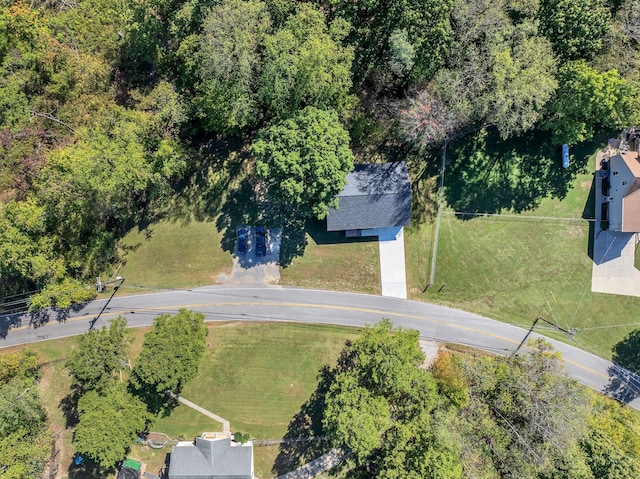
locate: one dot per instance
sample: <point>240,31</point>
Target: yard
<point>533,259</point>
<point>256,375</point>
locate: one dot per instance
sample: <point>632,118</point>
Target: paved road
<point>244,303</point>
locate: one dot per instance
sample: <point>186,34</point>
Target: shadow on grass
<point>306,424</point>
<point>89,469</point>
<point>488,175</point>
<point>243,207</point>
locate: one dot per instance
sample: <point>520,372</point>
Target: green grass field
<point>511,267</point>
<point>170,254</point>
<point>523,264</point>
<point>256,375</point>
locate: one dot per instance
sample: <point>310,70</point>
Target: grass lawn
<point>171,254</point>
<point>333,262</point>
<point>256,375</point>
<point>516,267</point>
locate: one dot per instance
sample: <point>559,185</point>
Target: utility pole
<point>100,289</point>
<point>569,332</point>
<point>432,278</point>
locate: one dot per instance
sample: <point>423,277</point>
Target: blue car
<point>261,241</point>
<point>242,240</point>
<point>565,156</point>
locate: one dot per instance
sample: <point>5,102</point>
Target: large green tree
<point>379,405</point>
<point>25,443</point>
<point>108,425</point>
<point>98,355</point>
<point>575,27</point>
<point>305,64</point>
<point>304,161</point>
<point>411,36</point>
<point>230,63</point>
<point>588,99</point>
<point>170,356</point>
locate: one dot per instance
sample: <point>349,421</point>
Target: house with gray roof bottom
<point>211,456</point>
<point>376,197</point>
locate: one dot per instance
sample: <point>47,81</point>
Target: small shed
<point>130,470</point>
<point>376,197</point>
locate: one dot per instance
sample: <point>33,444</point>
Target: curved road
<point>264,303</point>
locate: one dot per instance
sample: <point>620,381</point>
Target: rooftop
<point>375,196</point>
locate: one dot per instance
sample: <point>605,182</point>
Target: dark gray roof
<point>375,196</point>
<point>217,459</point>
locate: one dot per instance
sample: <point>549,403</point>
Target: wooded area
<point>103,104</point>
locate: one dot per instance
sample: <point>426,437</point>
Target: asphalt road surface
<point>272,303</point>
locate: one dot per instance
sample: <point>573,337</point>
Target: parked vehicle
<point>242,240</point>
<point>261,241</point>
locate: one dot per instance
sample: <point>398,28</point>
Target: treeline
<point>103,102</point>
<point>469,416</point>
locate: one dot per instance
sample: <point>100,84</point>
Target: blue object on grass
<point>565,156</point>
<point>78,460</point>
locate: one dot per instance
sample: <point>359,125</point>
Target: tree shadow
<point>89,469</point>
<point>69,407</point>
<point>306,424</point>
<point>486,174</point>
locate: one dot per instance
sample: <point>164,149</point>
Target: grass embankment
<point>254,375</point>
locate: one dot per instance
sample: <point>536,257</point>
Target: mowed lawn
<point>332,261</point>
<point>174,254</point>
<point>256,375</point>
<point>525,264</point>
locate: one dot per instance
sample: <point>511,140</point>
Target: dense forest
<point>103,105</point>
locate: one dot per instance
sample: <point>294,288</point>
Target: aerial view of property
<point>295,239</point>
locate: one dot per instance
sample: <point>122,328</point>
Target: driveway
<point>393,276</point>
<point>249,268</point>
<point>613,254</point>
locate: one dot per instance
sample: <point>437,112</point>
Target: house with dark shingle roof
<point>621,185</point>
<point>376,197</point>
<point>211,456</point>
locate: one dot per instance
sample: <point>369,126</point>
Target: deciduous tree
<point>98,355</point>
<point>170,356</point>
<point>108,424</point>
<point>304,161</point>
<point>306,65</point>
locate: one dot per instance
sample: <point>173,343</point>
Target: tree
<point>626,353</point>
<point>523,83</point>
<point>230,62</point>
<point>575,27</point>
<point>612,445</point>
<point>586,99</point>
<point>530,414</point>
<point>98,355</point>
<point>376,28</point>
<point>170,356</point>
<point>25,444</point>
<point>306,65</point>
<point>304,161</point>
<point>378,398</point>
<point>108,424</point>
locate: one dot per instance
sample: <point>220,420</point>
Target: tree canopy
<point>304,161</point>
<point>98,355</point>
<point>109,423</point>
<point>170,356</point>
